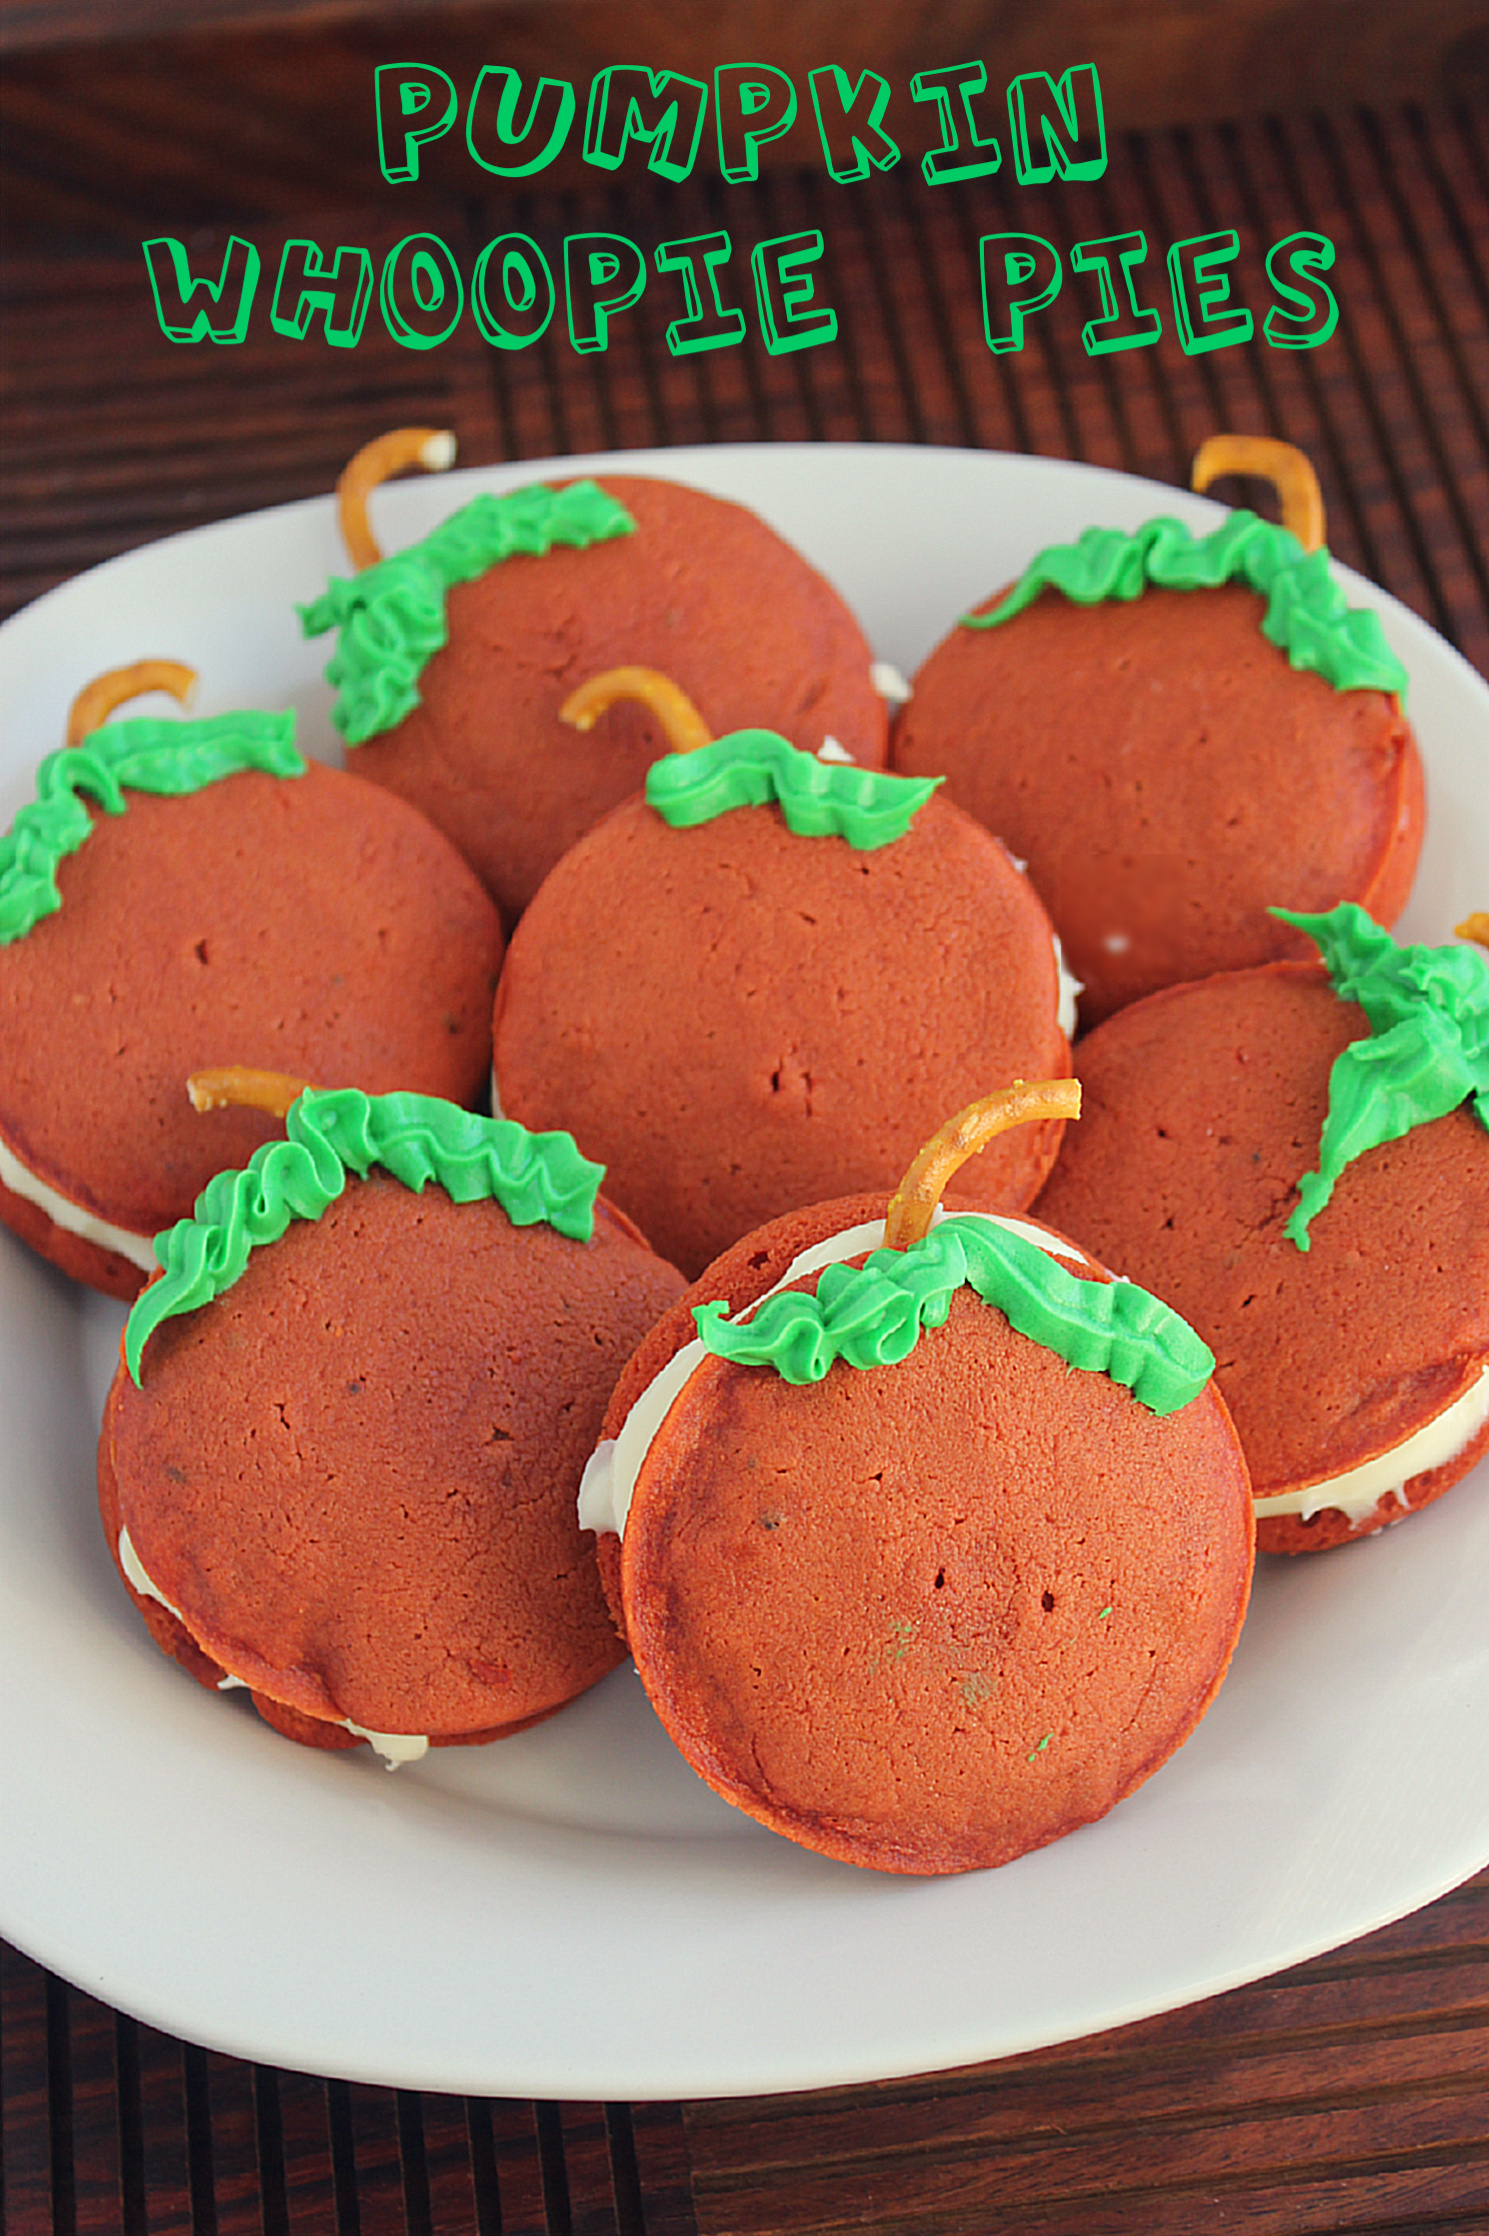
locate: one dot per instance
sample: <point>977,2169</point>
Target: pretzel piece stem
<point>1282,464</point>
<point>98,699</point>
<point>684,726</point>
<point>235,1087</point>
<point>433,448</point>
<point>1022,1104</point>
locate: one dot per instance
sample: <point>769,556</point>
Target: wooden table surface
<point>1350,2093</point>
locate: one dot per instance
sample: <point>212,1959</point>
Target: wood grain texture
<point>116,437</point>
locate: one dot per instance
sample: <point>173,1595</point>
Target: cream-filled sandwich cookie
<point>183,892</point>
<point>340,1459</point>
<point>761,982</point>
<point>935,1544</point>
<point>1177,730</point>
<point>1297,1159</point>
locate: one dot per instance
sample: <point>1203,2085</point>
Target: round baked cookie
<point>461,717</point>
<point>1357,1371</point>
<point>279,914</point>
<point>1167,769</point>
<point>927,1614</point>
<point>347,1479</point>
<point>738,1017</point>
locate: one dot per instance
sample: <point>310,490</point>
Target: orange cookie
<point>927,1614</point>
<point>346,1479</point>
<point>739,1017</point>
<point>1163,762</point>
<point>1357,1370</point>
<point>281,915</point>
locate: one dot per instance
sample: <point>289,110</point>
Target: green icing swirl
<point>1429,1047</point>
<point>418,1138</point>
<point>165,757</point>
<point>1306,615</point>
<point>818,799</point>
<point>873,1315</point>
<point>392,615</point>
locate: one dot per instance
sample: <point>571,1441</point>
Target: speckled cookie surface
<point>704,591</point>
<point>1168,776</point>
<point>928,1616</point>
<point>308,925</point>
<point>736,1020</point>
<point>353,1475</point>
<point>1202,1109</point>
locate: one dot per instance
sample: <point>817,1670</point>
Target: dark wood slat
<point>662,2160</point>
<point>519,2168</point>
<point>25,2127</point>
<point>234,2147</point>
<point>97,2172</point>
<point>163,2133</point>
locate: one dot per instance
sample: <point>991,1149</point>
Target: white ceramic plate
<point>570,1914</point>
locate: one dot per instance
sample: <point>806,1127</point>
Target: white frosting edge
<point>889,683</point>
<point>1071,990</point>
<point>1359,1490</point>
<point>609,1480</point>
<point>139,1249</point>
<point>395,1747</point>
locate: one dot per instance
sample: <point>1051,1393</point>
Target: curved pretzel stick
<point>961,1137</point>
<point>432,448</point>
<point>1475,927</point>
<point>235,1087</point>
<point>98,699</point>
<point>684,726</point>
<point>1286,468</point>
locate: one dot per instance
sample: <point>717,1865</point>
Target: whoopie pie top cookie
<point>930,1550</point>
<point>1176,731</point>
<point>1348,1305</point>
<point>760,983</point>
<point>340,1457</point>
<point>455,655</point>
<point>184,893</point>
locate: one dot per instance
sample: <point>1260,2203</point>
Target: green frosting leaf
<point>392,616</point>
<point>1429,1047</point>
<point>145,756</point>
<point>873,1315</point>
<point>1306,615</point>
<point>418,1138</point>
<point>818,799</point>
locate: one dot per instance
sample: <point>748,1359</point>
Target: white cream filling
<point>609,1480</point>
<point>139,1249</point>
<point>889,683</point>
<point>832,750</point>
<point>395,1747</point>
<point>1071,990</point>
<point>1359,1490</point>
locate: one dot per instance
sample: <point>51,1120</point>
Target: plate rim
<point>668,2081</point>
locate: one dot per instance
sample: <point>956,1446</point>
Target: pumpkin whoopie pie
<point>339,1460</point>
<point>761,982</point>
<point>1296,1158</point>
<point>931,1546</point>
<point>1176,731</point>
<point>183,893</point>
